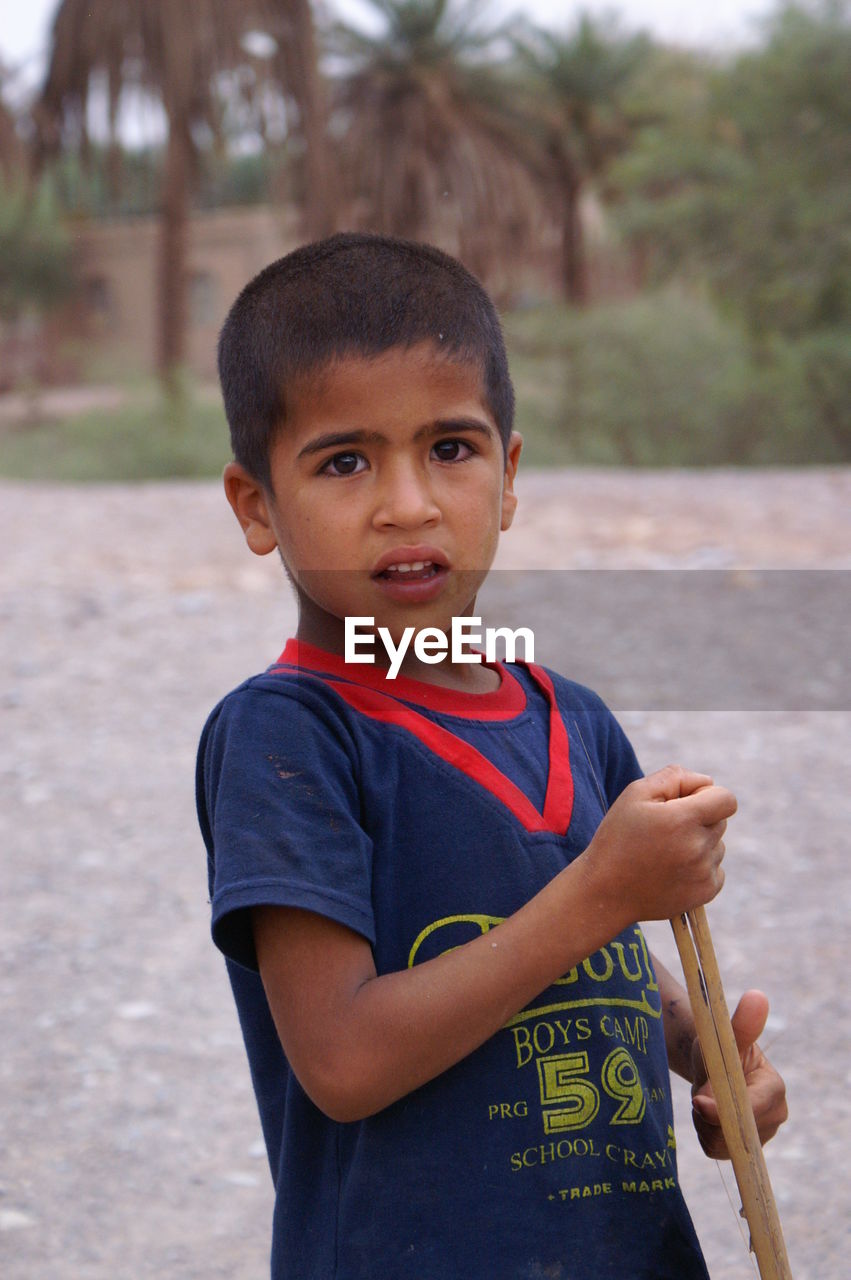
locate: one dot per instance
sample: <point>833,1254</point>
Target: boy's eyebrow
<point>442,426</point>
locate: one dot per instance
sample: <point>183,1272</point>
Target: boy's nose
<point>405,500</point>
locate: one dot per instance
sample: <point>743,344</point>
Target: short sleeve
<point>279,807</point>
<point>621,763</point>
<point>600,738</point>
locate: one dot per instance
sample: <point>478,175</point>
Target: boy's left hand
<point>766,1089</point>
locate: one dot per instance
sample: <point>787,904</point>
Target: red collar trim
<point>378,705</point>
<point>504,703</point>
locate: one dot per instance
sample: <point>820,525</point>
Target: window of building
<point>99,297</point>
<point>203,299</point>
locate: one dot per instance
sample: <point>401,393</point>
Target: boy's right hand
<point>658,851</point>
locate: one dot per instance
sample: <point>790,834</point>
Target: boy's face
<point>384,461</point>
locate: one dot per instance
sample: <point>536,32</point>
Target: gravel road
<point>129,1143</point>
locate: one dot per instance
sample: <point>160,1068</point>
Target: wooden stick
<point>725,1073</point>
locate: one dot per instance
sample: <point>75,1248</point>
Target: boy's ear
<point>250,504</point>
<point>509,497</point>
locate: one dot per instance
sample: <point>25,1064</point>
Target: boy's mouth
<point>411,574</point>
<point>415,571</point>
<point>411,563</point>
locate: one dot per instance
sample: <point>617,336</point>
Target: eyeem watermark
<point>431,644</point>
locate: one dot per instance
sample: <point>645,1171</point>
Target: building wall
<point>111,330</point>
<point>117,264</point>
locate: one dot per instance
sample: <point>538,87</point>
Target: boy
<point>427,888</point>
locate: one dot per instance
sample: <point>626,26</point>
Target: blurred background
<point>657,194</point>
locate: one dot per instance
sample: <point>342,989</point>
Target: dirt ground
<point>129,1142</point>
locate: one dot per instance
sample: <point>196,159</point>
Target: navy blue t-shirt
<point>421,818</point>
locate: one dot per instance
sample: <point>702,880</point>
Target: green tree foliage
<point>36,270</point>
<point>745,178</point>
<point>35,258</point>
<point>223,179</point>
<point>743,184</point>
<point>665,379</point>
<point>12,156</point>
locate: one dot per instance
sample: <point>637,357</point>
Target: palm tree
<point>576,106</point>
<point>180,51</point>
<point>430,151</point>
<point>297,69</point>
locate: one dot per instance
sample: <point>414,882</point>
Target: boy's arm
<point>766,1089</point>
<point>358,1042</point>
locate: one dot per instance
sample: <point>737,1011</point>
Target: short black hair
<point>353,294</point>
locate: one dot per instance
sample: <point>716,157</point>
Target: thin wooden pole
<point>724,1069</point>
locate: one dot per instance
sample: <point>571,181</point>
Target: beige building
<point>117,266</point>
<point>111,330</point>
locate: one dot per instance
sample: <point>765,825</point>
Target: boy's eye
<point>343,464</point>
<point>452,450</point>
